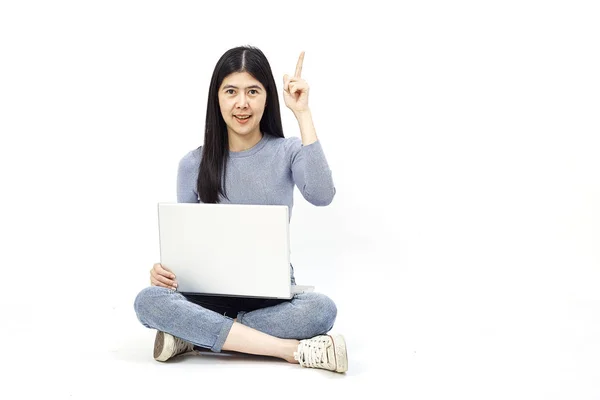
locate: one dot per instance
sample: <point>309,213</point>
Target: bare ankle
<point>288,350</point>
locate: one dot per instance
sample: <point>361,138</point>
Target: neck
<point>243,143</point>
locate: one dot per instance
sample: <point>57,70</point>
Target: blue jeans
<point>203,320</point>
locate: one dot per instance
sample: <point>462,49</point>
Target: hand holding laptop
<point>162,276</point>
<point>238,250</point>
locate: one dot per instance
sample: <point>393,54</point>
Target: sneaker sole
<point>341,354</point>
<point>164,346</point>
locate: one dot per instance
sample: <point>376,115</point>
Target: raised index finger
<point>299,66</point>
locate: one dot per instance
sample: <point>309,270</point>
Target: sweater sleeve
<point>311,172</point>
<point>187,177</point>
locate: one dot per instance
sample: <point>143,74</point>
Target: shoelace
<point>312,353</point>
<point>182,346</point>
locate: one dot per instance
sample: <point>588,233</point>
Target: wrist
<point>302,114</point>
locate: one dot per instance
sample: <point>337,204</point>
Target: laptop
<point>236,250</point>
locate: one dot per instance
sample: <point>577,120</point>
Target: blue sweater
<point>265,174</point>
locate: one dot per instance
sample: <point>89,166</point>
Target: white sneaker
<point>168,346</point>
<point>325,351</point>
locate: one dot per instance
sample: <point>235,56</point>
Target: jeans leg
<point>305,316</point>
<point>168,311</point>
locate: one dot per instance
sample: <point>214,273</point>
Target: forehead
<point>240,80</point>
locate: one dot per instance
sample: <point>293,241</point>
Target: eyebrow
<point>235,87</point>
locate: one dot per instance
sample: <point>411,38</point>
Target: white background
<point>462,247</point>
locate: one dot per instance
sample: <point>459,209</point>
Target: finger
<point>163,267</point>
<point>164,282</point>
<point>295,88</point>
<point>166,274</point>
<point>299,66</point>
<point>161,278</point>
<point>298,86</point>
<point>155,282</point>
<point>164,271</point>
<point>167,282</point>
<point>286,82</point>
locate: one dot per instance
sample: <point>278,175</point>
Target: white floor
<point>414,335</point>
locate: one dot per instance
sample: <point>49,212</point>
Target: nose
<point>242,101</point>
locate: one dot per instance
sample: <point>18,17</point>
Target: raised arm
<point>311,173</point>
<point>310,170</point>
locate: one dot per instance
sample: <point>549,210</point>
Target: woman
<point>245,159</point>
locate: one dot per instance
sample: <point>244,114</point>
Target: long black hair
<point>215,152</point>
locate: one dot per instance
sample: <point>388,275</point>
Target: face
<point>240,96</point>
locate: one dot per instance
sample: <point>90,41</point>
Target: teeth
<point>242,117</point>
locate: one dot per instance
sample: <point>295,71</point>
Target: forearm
<point>312,175</point>
<point>307,128</point>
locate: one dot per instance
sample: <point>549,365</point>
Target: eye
<point>229,90</point>
<point>254,90</point>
